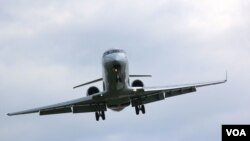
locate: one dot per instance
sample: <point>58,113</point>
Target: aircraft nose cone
<point>117,59</point>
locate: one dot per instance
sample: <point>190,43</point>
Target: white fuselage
<point>116,79</point>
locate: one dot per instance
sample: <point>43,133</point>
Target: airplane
<point>118,93</point>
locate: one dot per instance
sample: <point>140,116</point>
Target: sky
<point>49,46</point>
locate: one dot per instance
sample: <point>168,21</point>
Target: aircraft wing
<point>152,94</point>
<point>80,105</point>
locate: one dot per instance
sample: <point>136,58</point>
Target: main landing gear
<point>139,108</point>
<point>99,114</point>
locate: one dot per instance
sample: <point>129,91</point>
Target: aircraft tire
<point>137,110</point>
<point>143,109</point>
<point>97,116</point>
<point>103,115</point>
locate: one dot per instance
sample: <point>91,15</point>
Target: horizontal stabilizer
<point>140,75</point>
<point>100,79</point>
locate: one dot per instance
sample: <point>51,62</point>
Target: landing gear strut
<point>99,114</point>
<point>139,108</point>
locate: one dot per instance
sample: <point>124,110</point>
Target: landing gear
<point>103,115</point>
<point>139,108</point>
<point>143,109</point>
<point>99,114</point>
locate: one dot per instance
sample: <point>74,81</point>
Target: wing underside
<point>96,102</point>
<point>153,94</point>
<point>81,105</point>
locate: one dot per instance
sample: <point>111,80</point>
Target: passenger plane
<point>117,92</point>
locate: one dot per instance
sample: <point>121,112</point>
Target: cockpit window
<point>112,51</point>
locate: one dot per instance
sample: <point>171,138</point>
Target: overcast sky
<point>49,46</point>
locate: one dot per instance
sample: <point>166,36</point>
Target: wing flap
<point>147,99</point>
<point>75,109</point>
<point>55,111</point>
<point>89,108</point>
<point>147,95</point>
<point>64,107</point>
<point>175,92</point>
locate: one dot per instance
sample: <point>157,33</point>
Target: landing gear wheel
<point>143,109</point>
<point>103,115</point>
<point>97,116</point>
<point>137,110</point>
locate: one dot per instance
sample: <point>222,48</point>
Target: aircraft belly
<point>118,104</point>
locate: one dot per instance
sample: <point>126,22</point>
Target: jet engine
<point>92,90</point>
<point>137,83</point>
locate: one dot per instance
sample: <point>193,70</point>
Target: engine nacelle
<point>92,90</point>
<point>137,83</point>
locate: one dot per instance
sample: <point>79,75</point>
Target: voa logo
<point>236,132</point>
